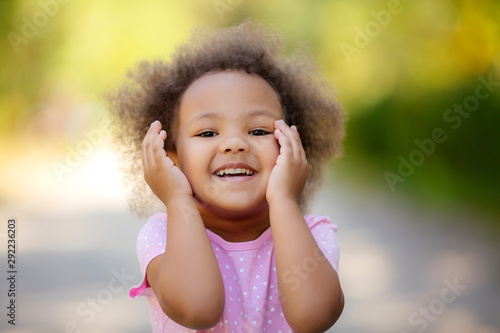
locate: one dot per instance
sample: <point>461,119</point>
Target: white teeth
<point>237,171</point>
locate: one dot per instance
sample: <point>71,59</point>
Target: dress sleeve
<point>150,244</point>
<point>325,234</point>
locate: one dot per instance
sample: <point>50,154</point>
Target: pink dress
<point>248,269</point>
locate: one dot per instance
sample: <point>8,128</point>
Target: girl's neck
<point>237,229</point>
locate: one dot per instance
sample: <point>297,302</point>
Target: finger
<point>169,163</point>
<point>147,144</point>
<point>285,144</point>
<point>298,149</point>
<point>283,140</point>
<point>158,144</point>
<point>292,136</point>
<point>302,151</point>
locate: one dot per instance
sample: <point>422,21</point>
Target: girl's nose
<point>234,144</point>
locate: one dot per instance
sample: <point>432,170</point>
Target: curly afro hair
<point>153,89</point>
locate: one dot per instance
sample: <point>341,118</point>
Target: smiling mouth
<point>234,172</point>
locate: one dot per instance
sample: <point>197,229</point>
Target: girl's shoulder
<point>154,222</point>
<point>157,218</point>
<point>152,239</point>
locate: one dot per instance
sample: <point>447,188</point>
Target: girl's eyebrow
<point>263,112</point>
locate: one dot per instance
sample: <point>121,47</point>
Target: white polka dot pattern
<point>248,269</point>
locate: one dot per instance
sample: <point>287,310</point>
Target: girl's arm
<point>312,301</point>
<point>185,279</point>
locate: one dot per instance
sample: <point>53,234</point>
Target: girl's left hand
<point>289,175</point>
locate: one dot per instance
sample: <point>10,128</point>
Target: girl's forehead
<point>232,80</point>
<point>229,93</point>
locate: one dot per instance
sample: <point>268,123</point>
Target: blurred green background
<point>398,67</point>
<point>415,196</point>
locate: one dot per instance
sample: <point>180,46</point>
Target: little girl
<point>235,252</point>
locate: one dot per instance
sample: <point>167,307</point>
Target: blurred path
<point>76,261</point>
<point>398,262</point>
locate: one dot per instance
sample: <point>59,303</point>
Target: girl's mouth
<point>234,172</point>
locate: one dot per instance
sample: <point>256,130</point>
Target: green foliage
<point>464,167</point>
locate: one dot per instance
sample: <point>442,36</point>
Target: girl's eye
<point>259,132</point>
<point>207,134</point>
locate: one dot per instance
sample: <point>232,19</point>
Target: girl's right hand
<point>163,177</point>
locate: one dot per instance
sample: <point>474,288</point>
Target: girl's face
<point>225,142</point>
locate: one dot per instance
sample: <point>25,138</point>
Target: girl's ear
<point>173,156</point>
